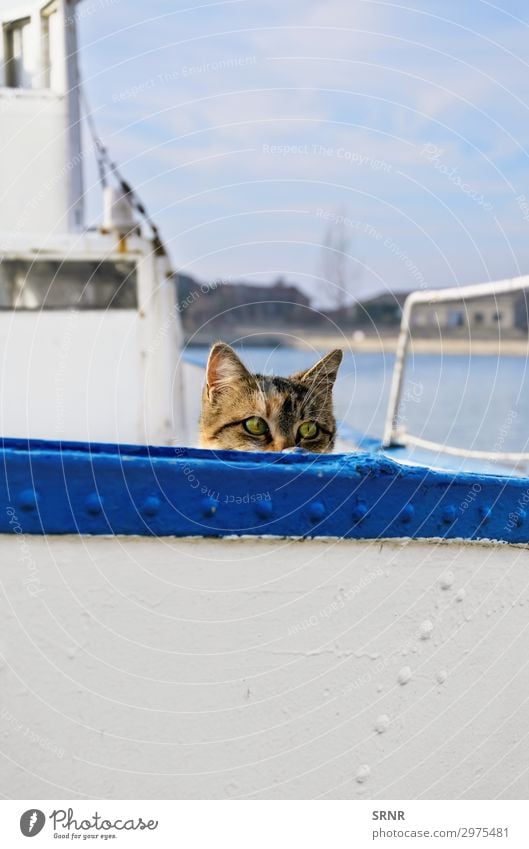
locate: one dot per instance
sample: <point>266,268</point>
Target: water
<point>479,402</point>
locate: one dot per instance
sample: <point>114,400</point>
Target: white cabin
<point>89,330</point>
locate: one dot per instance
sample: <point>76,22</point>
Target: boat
<point>186,623</point>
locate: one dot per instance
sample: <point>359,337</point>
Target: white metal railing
<point>394,433</point>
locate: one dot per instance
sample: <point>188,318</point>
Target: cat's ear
<point>224,369</point>
<point>322,375</point>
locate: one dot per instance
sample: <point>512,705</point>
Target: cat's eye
<point>308,430</point>
<point>256,426</point>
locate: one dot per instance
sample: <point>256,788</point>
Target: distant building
<point>215,306</point>
<point>484,316</point>
<point>381,310</point>
<point>281,302</point>
<point>211,309</point>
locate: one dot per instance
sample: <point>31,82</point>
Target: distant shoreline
<point>388,345</point>
<point>303,340</point>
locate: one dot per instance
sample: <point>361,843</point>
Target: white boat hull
<point>259,668</point>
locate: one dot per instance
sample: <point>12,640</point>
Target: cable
<point>105,163</point>
<point>98,144</point>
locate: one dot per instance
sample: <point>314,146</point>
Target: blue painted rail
<point>59,488</point>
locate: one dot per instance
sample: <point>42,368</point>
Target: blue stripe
<point>54,488</point>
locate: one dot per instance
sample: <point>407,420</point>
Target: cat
<point>255,412</point>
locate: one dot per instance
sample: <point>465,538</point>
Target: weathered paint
<point>185,668</point>
<point>102,489</point>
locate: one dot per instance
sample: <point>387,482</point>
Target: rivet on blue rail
<point>209,506</point>
<point>485,513</point>
<point>93,504</point>
<point>407,513</point>
<point>151,506</point>
<point>360,511</point>
<point>316,511</point>
<point>521,516</point>
<point>449,514</point>
<point>264,509</point>
<point>28,500</point>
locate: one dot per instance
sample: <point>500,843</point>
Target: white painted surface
<point>181,668</point>
<point>33,166</point>
<point>105,376</point>
<point>193,378</point>
<point>71,375</point>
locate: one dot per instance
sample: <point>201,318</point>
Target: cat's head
<point>254,412</point>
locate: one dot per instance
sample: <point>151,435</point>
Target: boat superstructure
<point>89,329</point>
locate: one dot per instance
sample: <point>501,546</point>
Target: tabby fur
<point>232,395</point>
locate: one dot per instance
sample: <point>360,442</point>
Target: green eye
<point>308,430</point>
<point>256,426</point>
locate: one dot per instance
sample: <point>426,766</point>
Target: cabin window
<point>17,53</point>
<point>51,47</point>
<point>75,284</point>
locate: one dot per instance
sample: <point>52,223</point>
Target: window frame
<point>130,280</point>
<point>9,30</point>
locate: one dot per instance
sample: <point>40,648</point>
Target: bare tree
<point>338,269</point>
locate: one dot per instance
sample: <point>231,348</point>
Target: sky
<point>262,133</point>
